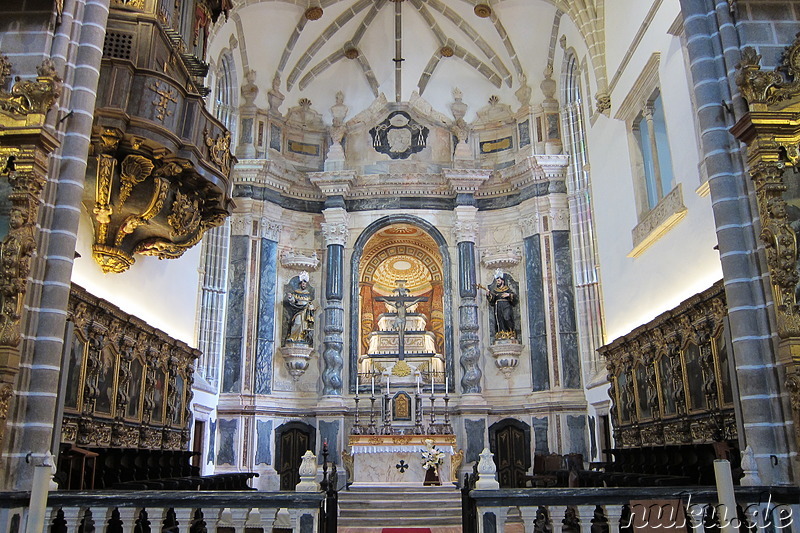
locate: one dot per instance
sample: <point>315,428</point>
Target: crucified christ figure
<point>401,301</point>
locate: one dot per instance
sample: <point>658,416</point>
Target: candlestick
<point>418,384</point>
<point>446,383</point>
<point>356,382</point>
<point>373,385</point>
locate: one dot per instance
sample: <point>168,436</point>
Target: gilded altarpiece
<point>671,379</point>
<point>25,145</point>
<point>128,385</point>
<point>771,131</point>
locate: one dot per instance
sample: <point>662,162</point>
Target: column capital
<point>335,228</point>
<point>465,227</point>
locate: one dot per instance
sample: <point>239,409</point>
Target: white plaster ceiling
<point>492,55</point>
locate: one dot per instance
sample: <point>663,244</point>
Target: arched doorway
<point>292,440</point>
<point>401,255</point>
<point>510,442</point>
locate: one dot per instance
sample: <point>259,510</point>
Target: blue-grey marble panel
<point>593,436</point>
<point>247,131</point>
<point>565,297</point>
<point>335,272</point>
<point>227,439</point>
<point>540,445</point>
<point>265,328</point>
<point>212,439</point>
<point>400,202</point>
<point>466,270</point>
<point>307,523</point>
<point>263,441</point>
<point>464,198</point>
<point>489,523</point>
<point>576,435</point>
<point>524,133</point>
<point>537,329</point>
<point>268,195</point>
<point>329,431</point>
<point>234,326</point>
<point>475,430</point>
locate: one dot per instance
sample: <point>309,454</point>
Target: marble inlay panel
<point>265,340</point>
<point>212,440</point>
<point>565,296</point>
<point>540,372</point>
<point>576,435</point>
<point>329,431</point>
<point>540,444</point>
<point>475,430</point>
<point>227,438</point>
<point>263,441</point>
<point>237,277</point>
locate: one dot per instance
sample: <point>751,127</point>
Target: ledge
<point>669,211</point>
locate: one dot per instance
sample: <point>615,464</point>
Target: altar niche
<point>401,320</point>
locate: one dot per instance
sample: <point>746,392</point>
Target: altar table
<point>376,459</point>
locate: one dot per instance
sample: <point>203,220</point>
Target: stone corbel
<point>507,257</point>
<point>335,183</point>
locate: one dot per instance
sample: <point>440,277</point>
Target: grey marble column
<point>335,232</point>
<point>465,228</point>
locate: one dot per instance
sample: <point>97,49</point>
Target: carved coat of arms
<point>399,136</point>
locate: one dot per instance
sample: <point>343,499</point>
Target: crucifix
<point>401,301</point>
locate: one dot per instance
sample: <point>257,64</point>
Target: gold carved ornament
<point>30,97</point>
<point>147,202</point>
<point>771,131</point>
<point>219,149</point>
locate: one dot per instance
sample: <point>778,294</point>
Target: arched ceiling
<point>365,48</point>
<point>401,252</point>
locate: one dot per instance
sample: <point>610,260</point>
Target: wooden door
<point>512,456</point>
<point>293,443</point>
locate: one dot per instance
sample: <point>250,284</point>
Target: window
<point>226,99</point>
<point>659,201</point>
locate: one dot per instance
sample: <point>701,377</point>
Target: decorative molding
<point>529,224</point>
<point>336,183</point>
<point>502,257</point>
<point>466,181</point>
<point>663,217</point>
<point>641,91</point>
<point>299,261</point>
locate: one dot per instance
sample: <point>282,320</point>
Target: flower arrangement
<point>431,457</point>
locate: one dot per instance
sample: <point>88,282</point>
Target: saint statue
<point>502,298</point>
<point>300,309</point>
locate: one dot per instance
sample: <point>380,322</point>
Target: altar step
<point>371,508</point>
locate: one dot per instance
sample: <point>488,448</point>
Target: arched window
<point>587,283</point>
<point>226,94</point>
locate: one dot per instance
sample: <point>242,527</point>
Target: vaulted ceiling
<point>365,48</point>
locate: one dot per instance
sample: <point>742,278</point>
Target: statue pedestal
<point>380,460</point>
<point>506,355</point>
<point>297,356</point>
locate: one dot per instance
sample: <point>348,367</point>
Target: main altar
<point>397,459</point>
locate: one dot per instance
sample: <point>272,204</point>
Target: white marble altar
<point>375,459</point>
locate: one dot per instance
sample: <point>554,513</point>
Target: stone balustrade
<point>68,511</point>
<point>630,509</point>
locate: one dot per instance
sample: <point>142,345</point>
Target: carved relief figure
<point>299,311</point>
<point>16,251</point>
<point>502,299</point>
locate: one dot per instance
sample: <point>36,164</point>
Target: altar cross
<point>401,301</point>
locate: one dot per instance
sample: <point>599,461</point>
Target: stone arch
<point>447,282</point>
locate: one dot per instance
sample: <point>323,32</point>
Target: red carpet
<point>406,530</point>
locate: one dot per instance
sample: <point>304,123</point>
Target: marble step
<point>400,506</point>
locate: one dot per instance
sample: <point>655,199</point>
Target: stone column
<point>335,186</point>
<point>464,229</point>
<point>35,415</point>
<point>465,182</point>
<point>335,232</point>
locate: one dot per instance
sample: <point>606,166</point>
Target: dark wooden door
<point>510,456</point>
<point>293,444</point>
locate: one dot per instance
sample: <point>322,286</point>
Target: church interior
<point>234,231</point>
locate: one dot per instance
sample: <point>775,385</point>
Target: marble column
<point>335,232</point>
<point>265,325</point>
<point>465,229</point>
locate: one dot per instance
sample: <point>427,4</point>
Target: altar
<point>397,459</point>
